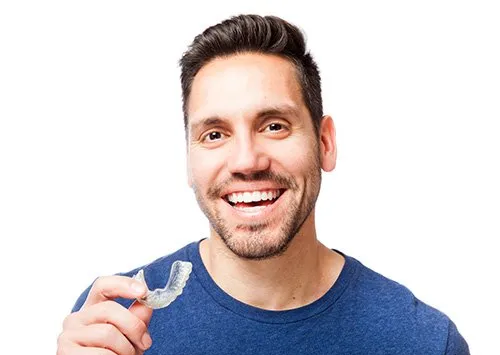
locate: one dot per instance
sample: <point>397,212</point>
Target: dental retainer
<point>162,297</point>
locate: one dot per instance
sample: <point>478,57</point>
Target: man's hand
<point>105,327</point>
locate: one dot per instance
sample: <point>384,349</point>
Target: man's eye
<point>213,136</point>
<point>275,127</point>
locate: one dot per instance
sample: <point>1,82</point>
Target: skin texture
<point>249,129</point>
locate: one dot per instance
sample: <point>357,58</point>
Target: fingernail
<point>138,288</point>
<point>146,340</point>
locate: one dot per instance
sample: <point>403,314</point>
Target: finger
<point>68,348</point>
<point>144,313</point>
<point>104,336</point>
<point>141,311</point>
<point>113,313</point>
<point>110,287</point>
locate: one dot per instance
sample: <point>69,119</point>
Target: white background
<point>92,160</point>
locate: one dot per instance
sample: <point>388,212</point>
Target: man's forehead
<point>240,81</point>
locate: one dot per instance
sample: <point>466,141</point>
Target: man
<point>262,283</point>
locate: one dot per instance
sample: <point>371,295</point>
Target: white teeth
<point>254,196</point>
<point>253,209</point>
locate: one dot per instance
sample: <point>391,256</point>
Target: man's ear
<point>327,144</point>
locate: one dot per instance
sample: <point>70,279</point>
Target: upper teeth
<point>253,196</point>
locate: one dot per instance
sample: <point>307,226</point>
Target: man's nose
<point>247,157</point>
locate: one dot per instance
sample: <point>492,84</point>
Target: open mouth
<point>253,200</point>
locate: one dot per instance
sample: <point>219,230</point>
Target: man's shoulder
<point>386,296</point>
<point>394,309</point>
<point>156,273</point>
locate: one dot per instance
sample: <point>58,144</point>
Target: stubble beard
<point>254,241</point>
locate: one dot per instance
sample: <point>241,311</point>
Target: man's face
<point>254,160</point>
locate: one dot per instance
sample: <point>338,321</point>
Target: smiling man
<point>261,283</point>
<point>254,154</point>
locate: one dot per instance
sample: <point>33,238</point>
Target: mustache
<point>282,180</point>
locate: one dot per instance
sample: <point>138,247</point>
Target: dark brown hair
<point>260,34</point>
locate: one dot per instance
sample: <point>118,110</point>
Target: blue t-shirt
<point>363,313</point>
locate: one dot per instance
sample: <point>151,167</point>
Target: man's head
<point>256,137</point>
<point>253,33</point>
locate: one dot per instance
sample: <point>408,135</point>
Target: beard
<point>256,241</point>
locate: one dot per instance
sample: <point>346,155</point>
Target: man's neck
<point>300,276</point>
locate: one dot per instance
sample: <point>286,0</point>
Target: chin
<point>253,243</point>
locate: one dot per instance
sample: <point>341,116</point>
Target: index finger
<point>109,287</point>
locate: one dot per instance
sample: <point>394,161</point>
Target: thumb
<point>141,311</point>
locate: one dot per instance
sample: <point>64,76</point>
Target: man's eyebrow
<point>264,112</point>
<point>278,110</point>
<point>206,122</point>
